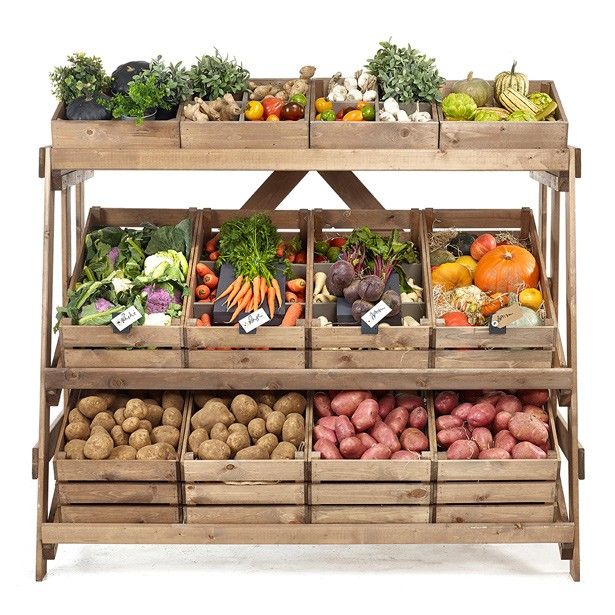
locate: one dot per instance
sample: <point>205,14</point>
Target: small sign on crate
<point>124,320</point>
<point>251,322</point>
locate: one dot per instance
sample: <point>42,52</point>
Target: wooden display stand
<point>65,170</point>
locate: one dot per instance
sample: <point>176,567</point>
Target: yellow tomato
<point>362,104</point>
<point>254,110</point>
<point>353,116</point>
<point>322,104</point>
<point>273,118</point>
<point>317,118</point>
<point>469,263</point>
<point>530,297</point>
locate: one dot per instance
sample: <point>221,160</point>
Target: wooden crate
<point>475,347</point>
<point>369,491</point>
<point>344,345</point>
<point>243,491</point>
<point>142,346</point>
<point>223,346</point>
<point>120,134</point>
<point>115,490</point>
<point>506,135</point>
<point>494,490</point>
<point>371,135</point>
<point>244,134</point>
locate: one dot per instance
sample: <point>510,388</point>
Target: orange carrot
<point>243,304</point>
<point>212,244</point>
<point>232,289</point>
<point>296,286</point>
<point>205,320</point>
<point>293,313</point>
<point>256,293</point>
<point>278,293</point>
<point>271,300</point>
<point>240,295</point>
<point>263,290</point>
<point>291,297</point>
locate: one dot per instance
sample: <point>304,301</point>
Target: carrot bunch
<point>247,295</point>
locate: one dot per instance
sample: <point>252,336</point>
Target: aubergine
<point>123,74</point>
<point>87,109</point>
<point>371,288</point>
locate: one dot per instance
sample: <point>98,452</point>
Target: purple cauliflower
<point>102,305</point>
<point>158,300</point>
<point>112,255</point>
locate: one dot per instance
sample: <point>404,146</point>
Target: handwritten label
<point>252,321</point>
<point>376,314</point>
<point>506,315</point>
<point>126,318</point>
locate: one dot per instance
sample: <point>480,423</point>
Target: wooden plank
<point>362,359</point>
<point>317,160</point>
<point>554,252</point>
<point>243,470</point>
<point>122,513</point>
<point>244,493</point>
<point>392,533</point>
<point>251,515</point>
<point>502,359</point>
<point>274,190</point>
<point>75,336</point>
<point>370,493</point>
<point>141,358</point>
<point>312,379</point>
<point>561,515</point>
<point>495,492</point>
<point>247,359</point>
<point>503,513</point>
<point>351,189</point>
<point>389,337</point>
<point>563,438</point>
<point>370,514</point>
<point>553,181</point>
<point>217,336</point>
<point>365,470</point>
<point>496,469</point>
<point>55,431</point>
<point>117,493</point>
<point>61,180</point>
<point>110,470</point>
<point>480,338</point>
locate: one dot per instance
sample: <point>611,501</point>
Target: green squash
<point>487,116</point>
<point>441,256</point>
<point>460,245</point>
<point>521,116</point>
<point>529,319</point>
<point>123,74</point>
<point>478,89</point>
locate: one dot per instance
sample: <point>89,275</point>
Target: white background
<point>572,46</point>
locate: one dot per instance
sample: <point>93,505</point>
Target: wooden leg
<point>555,224</point>
<point>274,190</point>
<point>43,431</point>
<point>66,240</point>
<point>79,213</point>
<point>542,211</point>
<point>351,189</point>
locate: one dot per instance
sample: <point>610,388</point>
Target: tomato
<point>272,106</point>
<point>327,116</point>
<point>273,118</point>
<point>362,104</point>
<point>300,99</point>
<point>254,110</point>
<point>301,258</point>
<point>293,111</point>
<point>456,319</point>
<point>322,104</point>
<point>355,115</point>
<point>368,112</point>
<point>319,258</point>
<point>202,291</point>
<point>337,242</point>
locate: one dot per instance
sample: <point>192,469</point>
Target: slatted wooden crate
<point>506,135</point>
<point>496,490</point>
<point>116,490</point>
<point>124,134</point>
<point>243,491</point>
<point>474,347</point>
<point>343,345</point>
<point>245,134</point>
<point>371,135</point>
<point>142,346</point>
<point>369,491</point>
<point>221,346</point>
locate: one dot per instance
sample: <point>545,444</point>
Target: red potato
<point>344,428</point>
<point>536,397</point>
<point>539,413</point>
<point>527,450</point>
<point>505,440</point>
<point>367,440</point>
<point>446,421</point>
<point>407,455</point>
<point>508,403</point>
<point>546,447</point>
<point>383,434</point>
<point>418,418</point>
<point>489,394</point>
<point>386,404</point>
<point>446,401</point>
<point>446,437</point>
<point>413,439</point>
<point>327,449</point>
<point>321,433</point>
<point>494,453</point>
<point>328,422</point>
<point>481,414</point>
<point>378,451</point>
<point>346,402</point>
<point>500,421</point>
<point>409,401</point>
<point>352,448</point>
<point>322,405</point>
<point>526,427</point>
<point>366,415</point>
<point>462,410</point>
<point>483,437</point>
<point>397,420</point>
<point>471,396</point>
<point>463,449</point>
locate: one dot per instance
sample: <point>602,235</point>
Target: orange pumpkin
<point>506,269</point>
<point>451,275</point>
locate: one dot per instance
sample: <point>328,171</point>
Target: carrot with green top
<point>263,290</point>
<point>271,300</point>
<point>232,289</point>
<point>241,294</point>
<point>242,306</point>
<point>293,313</point>
<point>256,293</point>
<point>278,293</point>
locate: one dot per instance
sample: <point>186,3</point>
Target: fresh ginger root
<point>225,109</point>
<point>283,91</point>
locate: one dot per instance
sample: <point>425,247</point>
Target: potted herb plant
<point>213,76</point>
<point>140,103</point>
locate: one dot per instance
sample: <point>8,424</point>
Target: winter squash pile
<point>474,276</point>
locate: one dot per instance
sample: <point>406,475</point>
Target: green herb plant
<point>82,76</point>
<point>214,76</point>
<point>143,99</point>
<point>405,74</point>
<point>173,80</point>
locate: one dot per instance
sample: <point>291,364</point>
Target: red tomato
<point>319,258</point>
<point>456,319</point>
<point>301,258</point>
<point>337,242</point>
<point>273,106</point>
